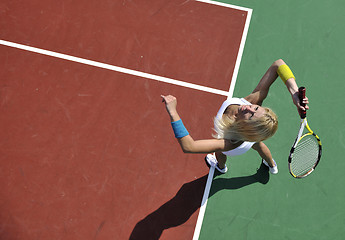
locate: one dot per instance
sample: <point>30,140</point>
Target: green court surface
<point>244,204</point>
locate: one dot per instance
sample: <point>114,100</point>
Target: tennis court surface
<point>87,151</point>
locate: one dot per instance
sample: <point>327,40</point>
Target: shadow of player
<point>187,201</point>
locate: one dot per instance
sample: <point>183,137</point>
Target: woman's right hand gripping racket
<point>305,153</point>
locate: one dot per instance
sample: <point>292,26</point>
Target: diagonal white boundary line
<point>113,68</point>
<point>249,11</point>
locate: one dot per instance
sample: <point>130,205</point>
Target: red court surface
<point>88,153</point>
<point>187,40</point>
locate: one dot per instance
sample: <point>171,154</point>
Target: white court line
<point>230,94</point>
<point>243,40</point>
<point>114,68</point>
<point>240,53</point>
<point>226,5</point>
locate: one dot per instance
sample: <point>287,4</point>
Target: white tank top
<point>245,146</point>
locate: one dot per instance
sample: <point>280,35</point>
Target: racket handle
<point>301,94</point>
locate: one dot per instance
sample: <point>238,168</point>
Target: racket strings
<point>305,156</point>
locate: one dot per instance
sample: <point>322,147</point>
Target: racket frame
<point>304,124</point>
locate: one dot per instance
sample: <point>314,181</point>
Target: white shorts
<point>245,146</point>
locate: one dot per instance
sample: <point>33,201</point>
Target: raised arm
<point>260,92</point>
<point>187,143</point>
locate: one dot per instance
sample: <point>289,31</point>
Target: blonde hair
<point>252,130</point>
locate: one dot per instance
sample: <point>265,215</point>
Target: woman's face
<point>248,112</point>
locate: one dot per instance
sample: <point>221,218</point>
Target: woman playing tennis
<point>240,124</point>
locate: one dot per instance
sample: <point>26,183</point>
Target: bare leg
<point>221,158</point>
<point>264,152</point>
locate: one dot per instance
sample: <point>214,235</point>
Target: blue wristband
<point>179,129</point>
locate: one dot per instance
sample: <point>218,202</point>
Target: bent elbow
<point>188,145</point>
<point>278,62</point>
<point>186,150</point>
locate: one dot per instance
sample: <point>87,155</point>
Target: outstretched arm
<point>260,92</point>
<point>187,143</point>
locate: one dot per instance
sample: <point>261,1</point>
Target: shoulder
<point>252,98</point>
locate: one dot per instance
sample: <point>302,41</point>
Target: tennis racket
<point>306,151</point>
